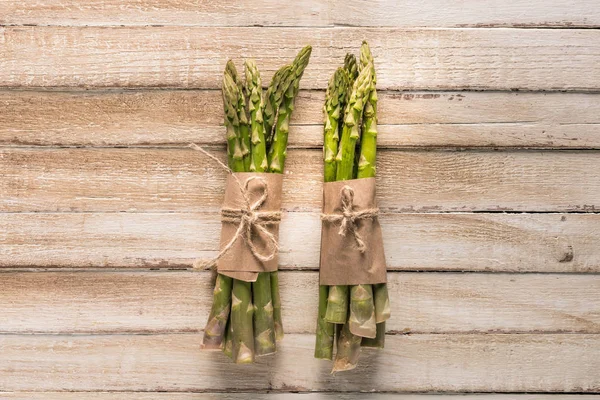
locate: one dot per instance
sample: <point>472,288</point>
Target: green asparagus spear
<point>325,330</point>
<point>243,133</point>
<point>276,299</point>
<point>277,151</point>
<point>264,328</point>
<point>367,168</point>
<point>230,96</point>
<point>214,332</point>
<point>273,99</point>
<point>255,106</point>
<point>283,90</point>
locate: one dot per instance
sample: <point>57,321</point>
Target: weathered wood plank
<point>185,180</point>
<point>161,302</point>
<point>410,119</point>
<point>429,363</point>
<point>193,57</point>
<point>281,396</point>
<point>413,242</point>
<point>436,13</point>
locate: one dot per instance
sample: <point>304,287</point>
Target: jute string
<point>348,218</point>
<point>248,217</point>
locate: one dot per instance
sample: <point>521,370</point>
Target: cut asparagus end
<point>337,305</point>
<point>382,302</point>
<point>379,340</point>
<point>362,311</point>
<point>348,351</point>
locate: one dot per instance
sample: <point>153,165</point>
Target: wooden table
<point>488,180</point>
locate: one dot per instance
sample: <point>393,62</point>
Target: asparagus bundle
<point>245,318</point>
<point>356,314</point>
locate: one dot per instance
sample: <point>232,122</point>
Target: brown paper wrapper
<point>239,262</point>
<point>341,261</point>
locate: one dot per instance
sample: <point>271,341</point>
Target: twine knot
<point>248,217</point>
<point>348,218</point>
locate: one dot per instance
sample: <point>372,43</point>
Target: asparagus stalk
<point>277,151</point>
<point>275,297</point>
<point>214,331</point>
<point>362,308</point>
<point>242,312</point>
<point>264,328</point>
<point>325,330</point>
<point>367,168</point>
<point>283,90</point>
<point>264,324</point>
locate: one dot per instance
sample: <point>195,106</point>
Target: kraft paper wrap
<point>342,263</point>
<point>239,262</point>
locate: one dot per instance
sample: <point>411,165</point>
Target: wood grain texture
<point>429,363</point>
<point>433,13</point>
<point>184,180</point>
<point>405,119</point>
<point>413,242</point>
<point>93,302</point>
<point>194,57</point>
<point>281,396</point>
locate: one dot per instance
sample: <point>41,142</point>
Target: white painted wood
<point>433,242</point>
<point>194,57</point>
<point>150,302</point>
<point>281,396</point>
<point>185,180</point>
<point>434,13</point>
<point>429,363</point>
<point>410,119</point>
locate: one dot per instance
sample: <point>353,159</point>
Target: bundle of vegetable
<point>352,316</point>
<point>245,319</point>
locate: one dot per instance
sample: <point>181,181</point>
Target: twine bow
<point>248,217</point>
<point>348,218</point>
